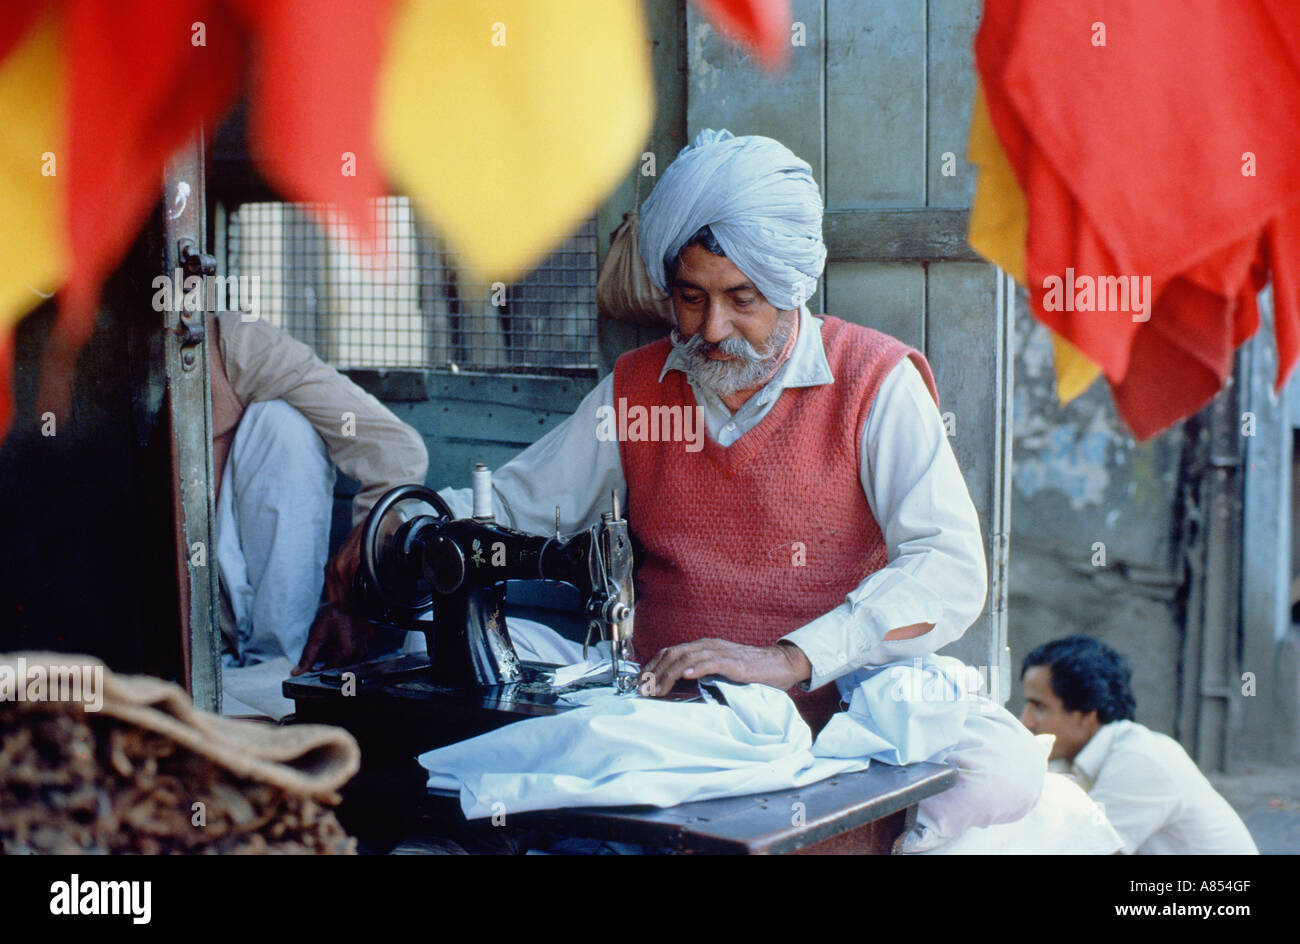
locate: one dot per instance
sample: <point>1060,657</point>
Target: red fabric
<point>721,526</point>
<point>1130,156</point>
<point>316,87</point>
<point>6,379</point>
<point>18,17</point>
<point>761,25</point>
<point>138,87</point>
<point>136,90</point>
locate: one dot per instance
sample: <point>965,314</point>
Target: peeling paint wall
<point>1092,529</point>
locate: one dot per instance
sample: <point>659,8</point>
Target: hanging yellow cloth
<point>507,123</point>
<point>33,253</point>
<point>998,229</point>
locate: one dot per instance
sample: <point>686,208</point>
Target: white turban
<point>761,203</point>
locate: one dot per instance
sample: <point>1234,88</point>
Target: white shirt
<point>1155,796</point>
<point>936,572</point>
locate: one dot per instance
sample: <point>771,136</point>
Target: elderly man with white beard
<point>824,525</point>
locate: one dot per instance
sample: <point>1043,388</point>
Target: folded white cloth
<point>593,669</point>
<point>1000,772</point>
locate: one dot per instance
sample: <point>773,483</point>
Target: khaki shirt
<point>253,361</point>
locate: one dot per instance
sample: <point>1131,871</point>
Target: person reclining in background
<point>1079,690</point>
<point>282,419</point>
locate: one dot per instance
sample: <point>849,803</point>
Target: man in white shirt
<point>1078,689</point>
<point>824,525</point>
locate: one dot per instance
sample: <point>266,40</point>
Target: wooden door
<point>877,99</point>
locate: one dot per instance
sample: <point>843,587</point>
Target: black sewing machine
<point>418,561</point>
<point>423,569</point>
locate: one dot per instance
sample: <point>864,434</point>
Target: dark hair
<point>1086,675</point>
<point>703,237</point>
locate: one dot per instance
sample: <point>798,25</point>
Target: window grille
<point>415,306</point>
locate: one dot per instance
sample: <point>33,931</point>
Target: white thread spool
<point>481,479</point>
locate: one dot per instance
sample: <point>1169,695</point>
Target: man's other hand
<point>341,569</point>
<point>781,666</point>
<point>337,638</point>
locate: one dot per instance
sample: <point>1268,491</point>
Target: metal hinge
<point>191,330</point>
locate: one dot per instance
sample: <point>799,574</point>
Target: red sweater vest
<point>750,542</point>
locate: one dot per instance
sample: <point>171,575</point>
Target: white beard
<point>726,378</point>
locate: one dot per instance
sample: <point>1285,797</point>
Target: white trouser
<point>273,529</point>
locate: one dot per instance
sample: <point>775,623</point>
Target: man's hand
<point>781,666</point>
<point>337,637</point>
<point>341,569</point>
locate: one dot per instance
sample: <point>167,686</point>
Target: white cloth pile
<point>617,750</point>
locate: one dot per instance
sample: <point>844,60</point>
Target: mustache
<point>736,347</point>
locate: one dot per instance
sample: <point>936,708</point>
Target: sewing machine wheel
<point>392,575</point>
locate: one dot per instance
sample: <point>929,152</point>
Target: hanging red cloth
<point>761,26</point>
<point>1156,143</point>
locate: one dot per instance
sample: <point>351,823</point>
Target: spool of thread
<point>481,480</point>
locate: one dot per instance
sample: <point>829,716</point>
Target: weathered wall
<point>1079,479</point>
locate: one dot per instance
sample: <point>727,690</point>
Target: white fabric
<point>1156,796</point>
<point>884,720</point>
<point>619,750</point>
<point>533,642</point>
<point>256,689</point>
<point>910,478</point>
<point>1000,765</point>
<point>761,203</point>
<point>901,713</point>
<point>537,642</point>
<point>1064,821</point>
<point>1000,772</point>
<point>272,533</point>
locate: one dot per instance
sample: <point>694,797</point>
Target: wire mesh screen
<point>413,305</point>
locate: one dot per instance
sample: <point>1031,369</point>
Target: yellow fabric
<point>1074,371</point>
<point>33,252</point>
<point>998,230</point>
<point>508,122</point>
<point>999,216</point>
